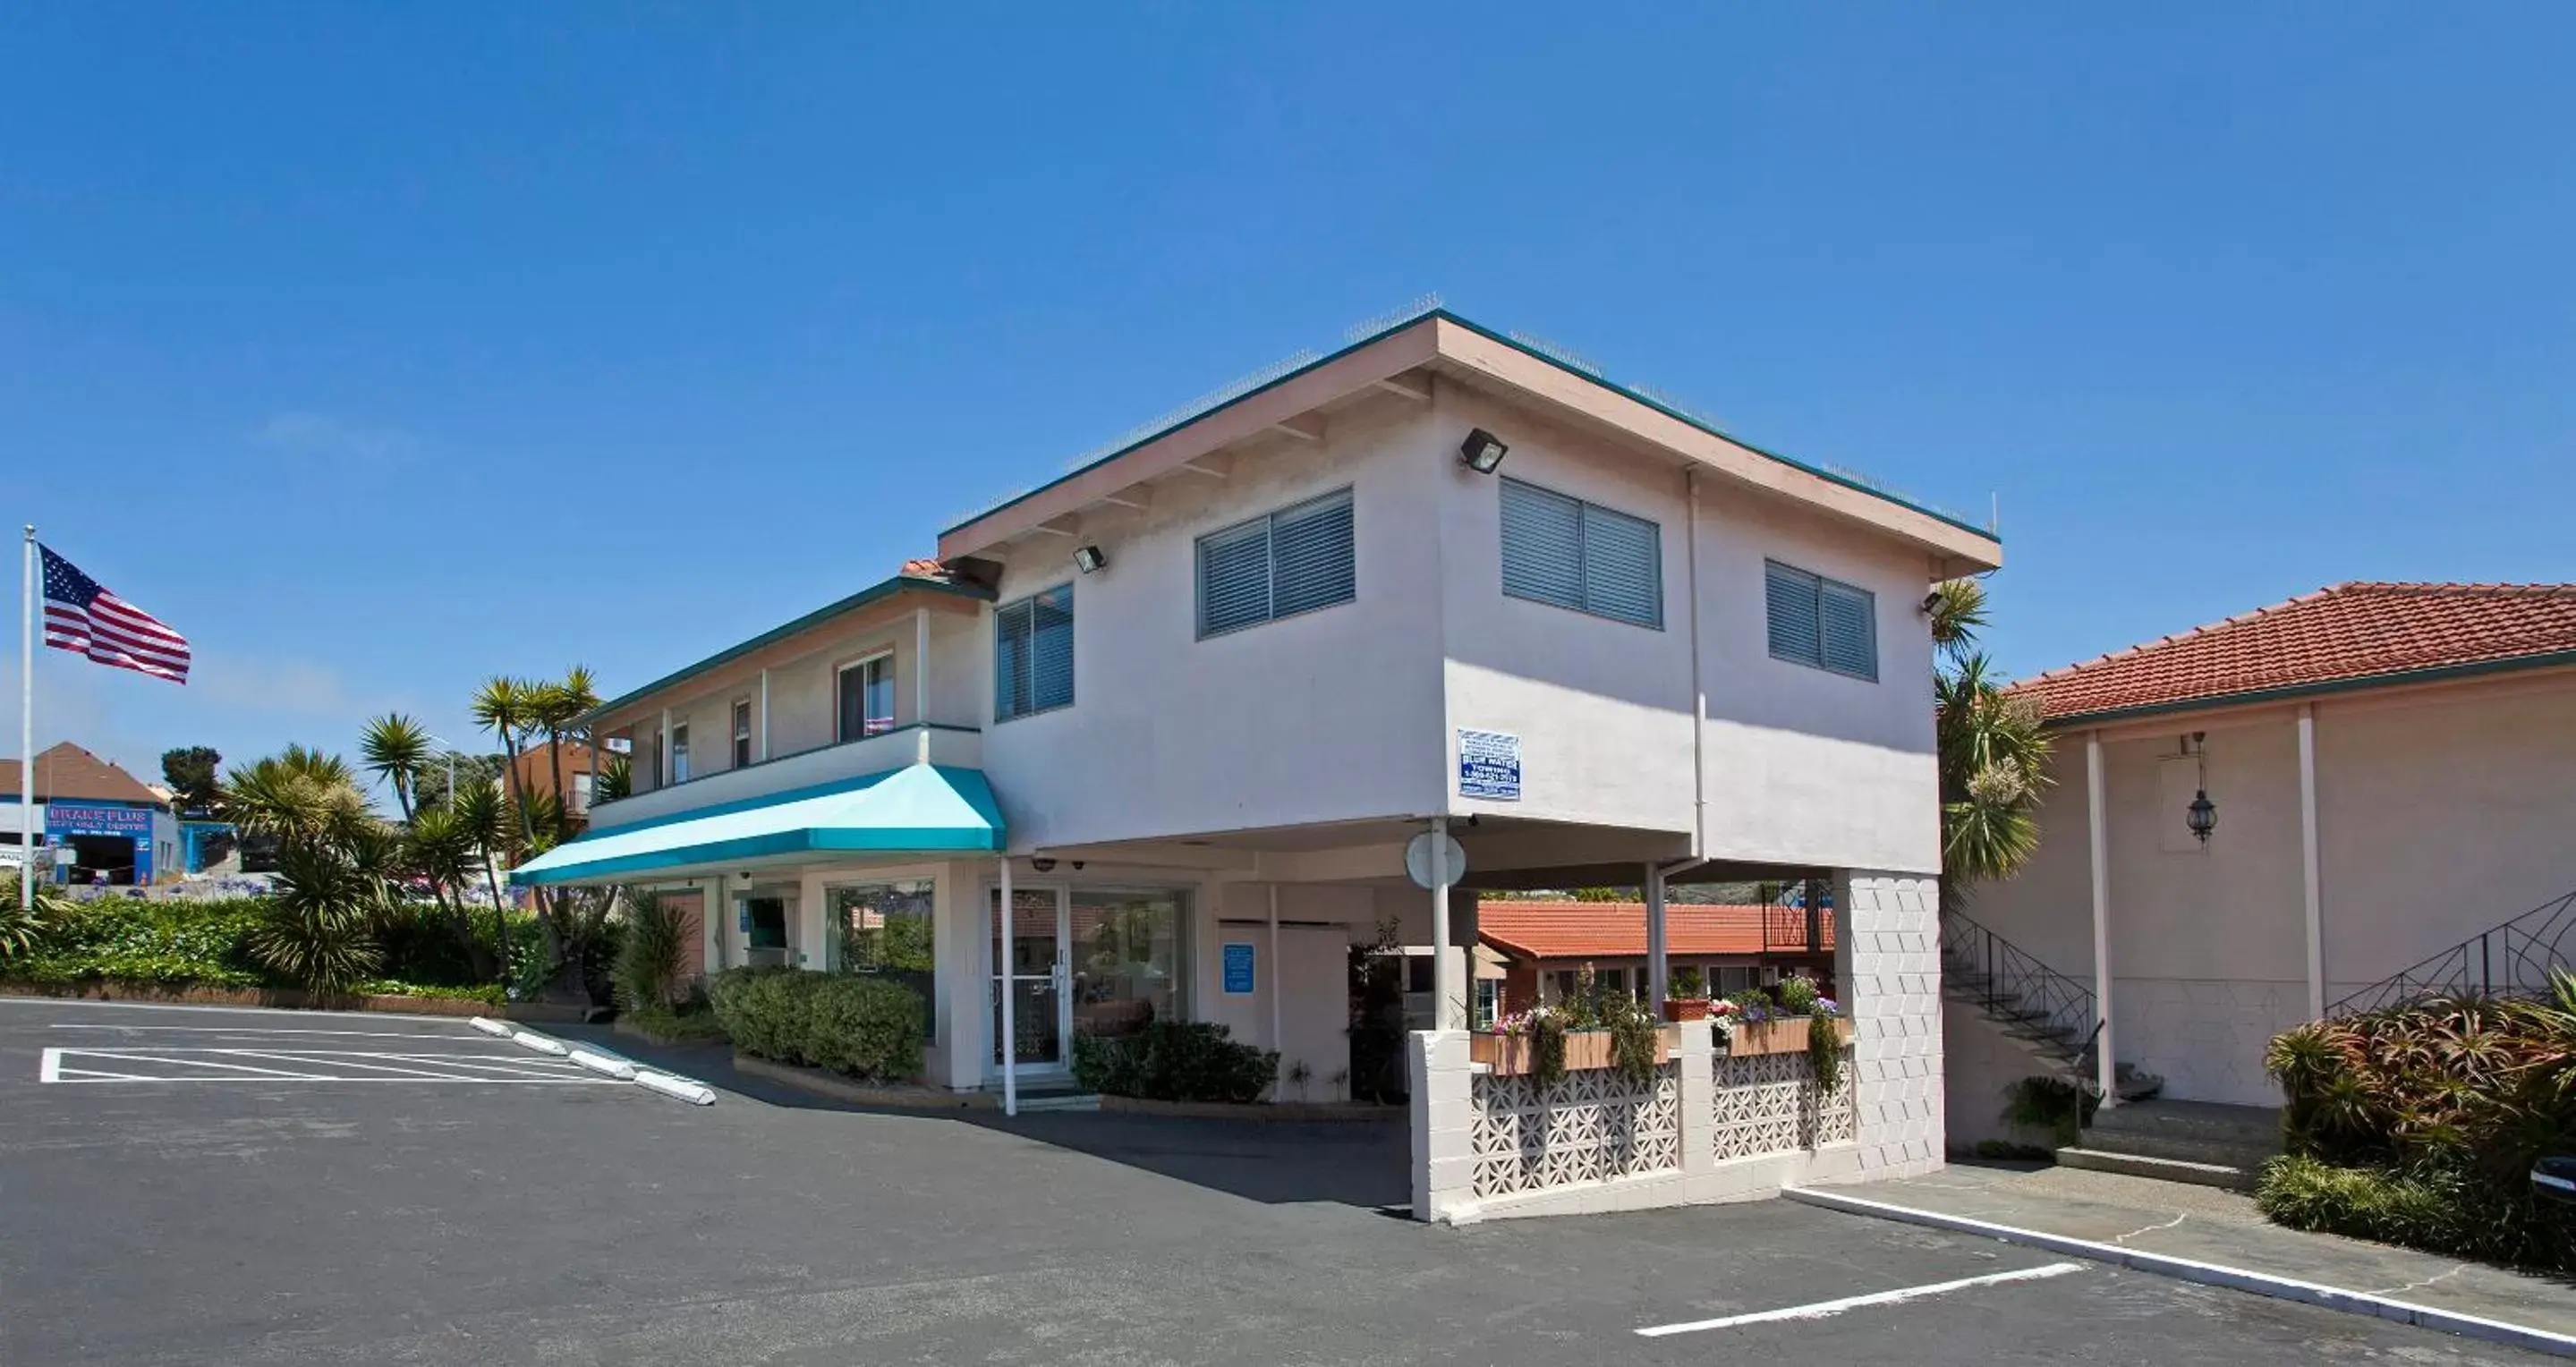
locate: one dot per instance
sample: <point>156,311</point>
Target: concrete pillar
<point>2308,862</point>
<point>1697,1057</point>
<point>1658,963</point>
<point>1889,924</point>
<point>2097,819</point>
<point>1443,1114</point>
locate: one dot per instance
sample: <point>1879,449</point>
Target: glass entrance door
<point>1034,974</point>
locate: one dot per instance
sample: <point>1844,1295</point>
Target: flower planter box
<point>1686,1008</point>
<point>1514,1055</point>
<point>1778,1037</point>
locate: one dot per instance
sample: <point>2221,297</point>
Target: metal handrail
<point>2511,960</point>
<point>2018,986</point>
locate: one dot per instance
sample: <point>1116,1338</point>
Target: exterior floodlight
<point>1482,451</point>
<point>1088,559</point>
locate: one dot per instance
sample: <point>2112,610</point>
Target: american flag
<point>88,620</point>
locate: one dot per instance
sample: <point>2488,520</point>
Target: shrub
<point>663,1025</point>
<point>2419,1124</point>
<point>2050,1103</point>
<point>162,944</point>
<point>1798,995</point>
<point>761,1011</point>
<point>863,1026</point>
<point>649,959</point>
<point>1174,1061</point>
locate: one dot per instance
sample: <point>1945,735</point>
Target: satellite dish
<point>1417,859</point>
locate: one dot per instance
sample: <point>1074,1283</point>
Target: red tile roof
<point>1614,930</point>
<point>2341,634</point>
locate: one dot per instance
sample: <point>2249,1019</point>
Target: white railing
<point>956,746</point>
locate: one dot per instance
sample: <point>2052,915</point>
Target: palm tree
<point>319,928</point>
<point>506,707</point>
<point>441,847</point>
<point>396,748</point>
<point>1993,752</point>
<point>301,796</point>
<point>481,817</point>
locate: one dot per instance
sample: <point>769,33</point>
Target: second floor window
<point>1820,622</point>
<point>1033,654</point>
<point>1581,555</point>
<point>867,698</point>
<point>680,752</point>
<point>1295,560</point>
<point>741,734</point>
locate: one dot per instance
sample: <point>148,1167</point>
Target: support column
<point>1275,1030</point>
<point>1010,1041</point>
<point>1446,1012</point>
<point>2315,904</point>
<point>2105,1064</point>
<point>1441,1082</point>
<point>1658,965</point>
<point>921,667</point>
<point>1890,923</point>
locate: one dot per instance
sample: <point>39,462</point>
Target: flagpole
<point>27,724</point>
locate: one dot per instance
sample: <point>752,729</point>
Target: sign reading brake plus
<point>1489,765</point>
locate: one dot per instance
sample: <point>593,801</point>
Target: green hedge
<point>174,944</point>
<point>863,1026</point>
<point>1174,1061</point>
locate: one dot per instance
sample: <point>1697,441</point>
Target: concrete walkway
<point>2203,1233</point>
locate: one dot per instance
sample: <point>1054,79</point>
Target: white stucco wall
<point>1330,715</point>
<point>2441,813</point>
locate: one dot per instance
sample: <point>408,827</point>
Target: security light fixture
<point>1482,451</point>
<point>2202,814</point>
<point>1088,559</point>
<point>1042,864</point>
<point>1931,601</point>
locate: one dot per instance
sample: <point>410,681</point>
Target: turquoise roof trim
<point>1444,315</point>
<point>872,593</point>
<point>918,809</point>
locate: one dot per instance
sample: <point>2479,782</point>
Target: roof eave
<point>2322,687</point>
<point>1440,336</point>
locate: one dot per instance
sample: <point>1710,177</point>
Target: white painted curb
<point>529,1040</point>
<point>498,1029</point>
<point>617,1068</point>
<point>2207,1274</point>
<point>695,1093</point>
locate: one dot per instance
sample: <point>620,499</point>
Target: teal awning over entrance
<point>918,809</point>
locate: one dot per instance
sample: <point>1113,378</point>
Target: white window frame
<point>679,743</point>
<point>1269,522</point>
<point>742,751</point>
<point>1582,569</point>
<point>841,673</point>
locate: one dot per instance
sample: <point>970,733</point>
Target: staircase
<point>2514,959</point>
<point>2048,1013</point>
<point>2200,1142</point>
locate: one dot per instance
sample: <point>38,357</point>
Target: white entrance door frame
<point>1058,980</point>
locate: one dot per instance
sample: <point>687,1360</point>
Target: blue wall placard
<point>1489,765</point>
<point>1238,968</point>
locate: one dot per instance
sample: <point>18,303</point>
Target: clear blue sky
<point>380,348</point>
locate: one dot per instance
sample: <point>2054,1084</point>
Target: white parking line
<point>1822,1309</point>
<point>267,1030</point>
<point>221,1065</point>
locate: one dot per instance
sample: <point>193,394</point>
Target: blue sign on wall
<point>1238,968</point>
<point>64,820</point>
<point>1489,765</point>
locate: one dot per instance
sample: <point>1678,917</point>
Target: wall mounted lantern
<point>2202,814</point>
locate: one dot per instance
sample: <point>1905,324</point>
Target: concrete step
<point>1058,1101</point>
<point>2197,1121</point>
<point>2164,1169</point>
<point>2179,1149</point>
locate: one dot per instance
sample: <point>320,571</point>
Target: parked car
<point>2554,1179</point>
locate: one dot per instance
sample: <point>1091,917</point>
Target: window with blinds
<point>1580,555</point>
<point>1033,654</point>
<point>1821,622</point>
<point>1295,560</point>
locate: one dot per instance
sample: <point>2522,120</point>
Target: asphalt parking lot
<point>273,1187</point>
